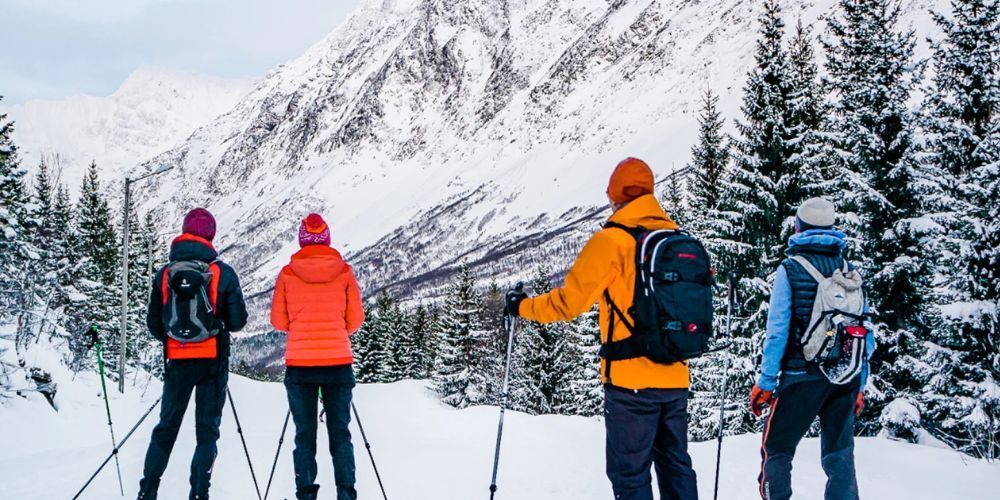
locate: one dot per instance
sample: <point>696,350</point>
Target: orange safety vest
<point>208,348</point>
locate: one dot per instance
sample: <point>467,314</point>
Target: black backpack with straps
<point>672,307</point>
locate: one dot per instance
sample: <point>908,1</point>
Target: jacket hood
<point>317,264</point>
<point>822,240</point>
<point>191,247</point>
<point>644,211</point>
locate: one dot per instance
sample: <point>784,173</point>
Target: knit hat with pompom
<point>314,231</point>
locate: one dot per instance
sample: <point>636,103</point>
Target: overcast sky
<point>56,48</point>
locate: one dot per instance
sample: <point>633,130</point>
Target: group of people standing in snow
<point>813,363</point>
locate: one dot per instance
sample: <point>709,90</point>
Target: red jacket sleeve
<point>279,306</point>
<point>354,315</point>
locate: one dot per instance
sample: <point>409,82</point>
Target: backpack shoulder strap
<point>811,269</point>
<point>165,285</point>
<point>213,287</point>
<point>635,232</point>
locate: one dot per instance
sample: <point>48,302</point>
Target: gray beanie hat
<point>816,213</point>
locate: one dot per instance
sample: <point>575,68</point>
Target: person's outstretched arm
<point>779,319</point>
<point>279,306</point>
<point>354,314</point>
<point>594,270</point>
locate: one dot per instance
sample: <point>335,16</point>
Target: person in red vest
<point>318,303</point>
<point>195,303</point>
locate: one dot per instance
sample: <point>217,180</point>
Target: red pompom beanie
<point>200,223</point>
<point>631,179</point>
<point>314,231</point>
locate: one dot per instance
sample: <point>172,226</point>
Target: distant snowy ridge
<point>153,110</point>
<point>432,133</point>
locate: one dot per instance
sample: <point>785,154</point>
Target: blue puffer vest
<point>822,248</point>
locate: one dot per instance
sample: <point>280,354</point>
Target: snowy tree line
<point>918,188</point>
<point>60,269</point>
<point>460,344</point>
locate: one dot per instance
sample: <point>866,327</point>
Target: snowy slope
<point>152,111</point>
<point>434,132</point>
<point>424,451</point>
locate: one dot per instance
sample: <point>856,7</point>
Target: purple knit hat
<point>314,231</point>
<point>199,222</point>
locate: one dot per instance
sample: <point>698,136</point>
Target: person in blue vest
<point>797,390</point>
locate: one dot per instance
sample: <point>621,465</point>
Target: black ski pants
<point>792,414</point>
<point>303,401</point>
<point>648,428</point>
<point>207,379</point>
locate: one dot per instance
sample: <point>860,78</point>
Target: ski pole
<point>511,326</point>
<point>246,451</point>
<point>281,440</point>
<point>730,296</point>
<point>107,406</point>
<point>115,451</point>
<point>368,447</point>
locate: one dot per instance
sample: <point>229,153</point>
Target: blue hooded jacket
<point>779,316</point>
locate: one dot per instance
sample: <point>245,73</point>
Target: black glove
<point>513,301</point>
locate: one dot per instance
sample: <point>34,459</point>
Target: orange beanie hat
<point>631,179</point>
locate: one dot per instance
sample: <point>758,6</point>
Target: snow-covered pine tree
<point>580,391</point>
<point>870,73</point>
<point>961,396</point>
<point>461,333</point>
<point>375,343</point>
<point>363,344</point>
<point>709,160</point>
<point>100,264</point>
<point>420,336</point>
<point>673,197</point>
<point>540,365</point>
<point>17,254</point>
<point>402,355</point>
<point>804,127</point>
<point>65,256</point>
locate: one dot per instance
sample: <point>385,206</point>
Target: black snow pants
<point>207,379</point>
<point>793,412</point>
<point>648,428</point>
<point>303,401</point>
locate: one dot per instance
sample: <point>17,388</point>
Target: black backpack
<point>189,294</point>
<point>673,306</point>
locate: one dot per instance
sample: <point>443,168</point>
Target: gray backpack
<point>190,291</point>
<point>835,336</point>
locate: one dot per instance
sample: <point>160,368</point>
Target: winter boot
<point>147,489</point>
<point>307,493</point>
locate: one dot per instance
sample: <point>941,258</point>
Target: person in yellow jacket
<point>645,403</point>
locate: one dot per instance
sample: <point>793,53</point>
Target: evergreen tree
<point>581,391</point>
<point>961,394</point>
<point>374,345</point>
<point>804,127</point>
<point>674,200</point>
<point>17,255</point>
<point>539,366</point>
<point>97,234</point>
<point>709,160</point>
<point>421,337</point>
<point>100,267</point>
<point>870,75</point>
<point>461,334</point>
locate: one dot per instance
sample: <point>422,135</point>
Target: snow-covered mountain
<point>154,110</point>
<point>434,132</point>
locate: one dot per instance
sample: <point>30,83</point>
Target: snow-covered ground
<point>424,450</point>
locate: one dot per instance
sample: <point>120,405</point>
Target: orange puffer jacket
<point>317,301</point>
<point>607,262</point>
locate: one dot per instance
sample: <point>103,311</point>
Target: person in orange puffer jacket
<point>318,303</point>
